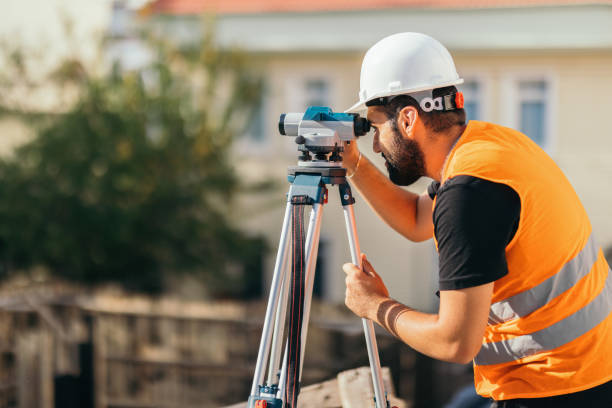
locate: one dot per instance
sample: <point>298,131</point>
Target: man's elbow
<point>462,352</point>
<point>421,237</point>
<point>416,235</point>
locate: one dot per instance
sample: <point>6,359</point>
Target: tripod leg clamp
<point>302,200</point>
<point>265,402</point>
<point>346,195</point>
<point>310,186</point>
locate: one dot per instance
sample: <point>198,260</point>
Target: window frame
<point>246,143</point>
<point>483,94</point>
<point>295,92</point>
<point>510,101</point>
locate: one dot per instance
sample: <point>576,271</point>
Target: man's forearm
<point>397,207</point>
<point>421,331</point>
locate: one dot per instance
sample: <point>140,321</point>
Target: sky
<point>39,23</point>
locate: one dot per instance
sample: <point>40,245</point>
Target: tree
<point>133,180</point>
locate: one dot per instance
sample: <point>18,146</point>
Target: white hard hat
<point>405,63</point>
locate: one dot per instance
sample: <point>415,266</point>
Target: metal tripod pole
<point>264,345</point>
<point>368,326</point>
<point>311,250</point>
<point>310,184</point>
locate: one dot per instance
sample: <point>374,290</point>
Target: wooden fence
<point>8,366</point>
<point>155,359</point>
<point>118,352</point>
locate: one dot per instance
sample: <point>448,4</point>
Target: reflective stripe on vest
<point>554,336</point>
<point>550,325</point>
<point>530,300</point>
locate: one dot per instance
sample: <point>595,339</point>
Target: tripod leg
<point>312,241</point>
<point>311,250</point>
<point>279,324</point>
<point>264,345</point>
<point>368,326</point>
<point>282,382</point>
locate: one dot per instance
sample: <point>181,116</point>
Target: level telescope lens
<point>281,124</point>
<point>289,123</point>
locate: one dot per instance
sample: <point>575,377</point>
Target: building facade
<point>542,67</point>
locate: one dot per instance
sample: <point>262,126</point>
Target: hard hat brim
<point>361,105</point>
<point>357,108</point>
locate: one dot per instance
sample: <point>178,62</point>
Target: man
<point>524,291</point>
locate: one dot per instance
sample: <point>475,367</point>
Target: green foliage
<point>133,181</point>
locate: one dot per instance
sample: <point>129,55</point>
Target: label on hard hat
<point>429,104</point>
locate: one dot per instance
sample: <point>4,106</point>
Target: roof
<point>178,7</point>
<point>275,26</point>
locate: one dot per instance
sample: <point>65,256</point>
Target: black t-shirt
<point>474,220</point>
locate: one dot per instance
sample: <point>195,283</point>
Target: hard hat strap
<point>426,101</point>
<point>442,103</point>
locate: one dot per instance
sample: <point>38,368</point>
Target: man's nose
<point>376,143</point>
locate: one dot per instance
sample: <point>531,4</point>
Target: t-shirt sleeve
<point>474,220</point>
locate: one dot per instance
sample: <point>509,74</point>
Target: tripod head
<point>322,132</point>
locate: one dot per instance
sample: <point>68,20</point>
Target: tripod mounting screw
<point>268,389</point>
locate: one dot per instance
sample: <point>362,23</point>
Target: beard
<point>406,161</point>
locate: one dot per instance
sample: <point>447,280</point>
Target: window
<point>255,132</point>
<point>304,89</point>
<point>256,129</point>
<point>472,93</point>
<point>316,92</point>
<point>533,109</point>
<point>528,105</point>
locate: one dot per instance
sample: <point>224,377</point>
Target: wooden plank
<point>356,390</point>
<point>321,395</point>
<point>8,386</point>
<point>235,370</point>
<point>100,366</point>
<point>350,389</point>
<point>28,392</point>
<point>46,374</point>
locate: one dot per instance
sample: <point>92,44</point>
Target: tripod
<point>308,188</point>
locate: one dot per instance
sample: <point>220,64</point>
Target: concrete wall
<point>580,142</point>
<point>406,267</point>
<point>582,135</point>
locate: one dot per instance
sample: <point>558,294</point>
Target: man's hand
<point>365,290</point>
<point>350,156</point>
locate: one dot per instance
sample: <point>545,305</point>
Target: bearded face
<point>404,160</point>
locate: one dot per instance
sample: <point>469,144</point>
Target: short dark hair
<point>438,121</point>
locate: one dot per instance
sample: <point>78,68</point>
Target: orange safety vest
<point>550,326</point>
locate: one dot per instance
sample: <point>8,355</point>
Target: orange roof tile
<point>257,6</point>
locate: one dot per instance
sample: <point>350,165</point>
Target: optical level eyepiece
<point>361,126</point>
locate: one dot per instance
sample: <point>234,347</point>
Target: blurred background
<point>143,181</point>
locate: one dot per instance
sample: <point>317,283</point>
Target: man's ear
<point>406,120</point>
